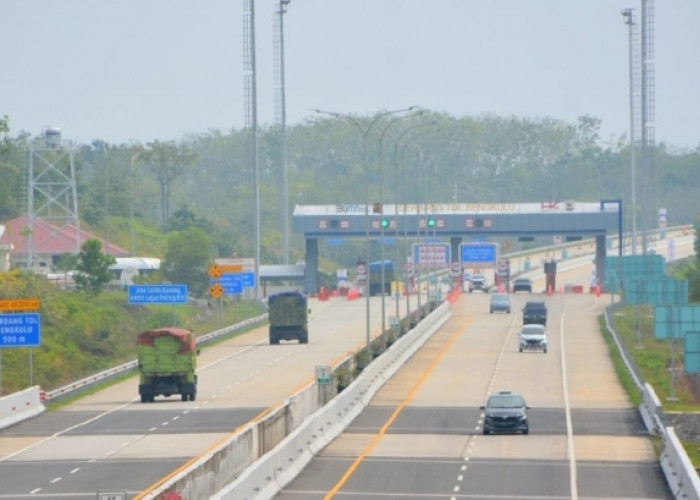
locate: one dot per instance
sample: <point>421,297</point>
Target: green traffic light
<point>431,222</point>
<point>385,222</point>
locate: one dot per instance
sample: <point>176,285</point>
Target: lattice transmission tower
<point>635,82</point>
<point>251,123</point>
<point>648,117</point>
<point>280,115</point>
<point>52,193</point>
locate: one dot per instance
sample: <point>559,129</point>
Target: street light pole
<point>397,141</point>
<point>133,246</point>
<point>384,132</point>
<point>365,131</point>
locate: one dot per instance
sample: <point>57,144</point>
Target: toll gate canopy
<point>455,222</point>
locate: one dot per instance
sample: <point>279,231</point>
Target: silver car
<point>533,337</point>
<point>500,302</point>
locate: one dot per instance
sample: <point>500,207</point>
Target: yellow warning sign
<point>31,304</point>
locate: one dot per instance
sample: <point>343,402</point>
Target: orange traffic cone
<point>549,291</point>
<point>597,290</point>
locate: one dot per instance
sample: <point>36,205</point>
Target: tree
<point>187,260</point>
<point>93,267</point>
<point>167,161</point>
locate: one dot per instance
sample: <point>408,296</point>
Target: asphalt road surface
<point>421,436</point>
<point>111,441</point>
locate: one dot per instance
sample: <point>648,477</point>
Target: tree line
<point>205,180</point>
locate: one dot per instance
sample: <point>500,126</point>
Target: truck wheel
<point>151,398</point>
<point>303,340</point>
<point>193,396</point>
<point>144,398</point>
<point>184,396</point>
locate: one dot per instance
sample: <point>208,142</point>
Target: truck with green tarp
<point>167,362</point>
<point>288,313</point>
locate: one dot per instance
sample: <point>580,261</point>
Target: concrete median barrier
<point>21,406</point>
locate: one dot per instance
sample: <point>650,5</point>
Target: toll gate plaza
<point>455,223</point>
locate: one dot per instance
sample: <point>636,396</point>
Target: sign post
<point>324,375</point>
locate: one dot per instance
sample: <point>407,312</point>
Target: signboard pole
<point>221,311</point>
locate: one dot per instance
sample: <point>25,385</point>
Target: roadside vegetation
<point>83,333</point>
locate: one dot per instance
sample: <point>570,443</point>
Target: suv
<point>533,337</point>
<point>478,282</point>
<point>505,411</point>
<point>500,302</point>
<point>522,284</point>
<point>535,312</point>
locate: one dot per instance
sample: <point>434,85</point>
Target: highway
<point>111,441</point>
<point>421,437</point>
<point>582,426</point>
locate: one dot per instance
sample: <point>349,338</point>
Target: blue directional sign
<point>20,330</point>
<point>232,283</point>
<point>248,279</point>
<point>157,294</point>
<point>481,253</point>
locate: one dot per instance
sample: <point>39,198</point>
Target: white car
<point>533,337</point>
<point>478,282</point>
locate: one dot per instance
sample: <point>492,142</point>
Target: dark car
<point>535,312</point>
<point>522,285</point>
<point>505,411</point>
<point>500,302</point>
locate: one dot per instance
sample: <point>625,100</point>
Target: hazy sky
<point>139,70</point>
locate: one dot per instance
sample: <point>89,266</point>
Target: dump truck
<point>167,361</point>
<point>289,317</point>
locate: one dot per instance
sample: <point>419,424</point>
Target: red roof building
<point>49,242</point>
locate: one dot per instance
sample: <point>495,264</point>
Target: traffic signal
<point>385,223</point>
<point>431,222</point>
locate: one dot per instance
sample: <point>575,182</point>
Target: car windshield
<point>509,401</point>
<point>533,330</point>
<point>499,297</point>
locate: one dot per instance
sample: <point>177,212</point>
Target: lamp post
<point>133,246</point>
<point>383,133</point>
<point>396,142</point>
<point>365,131</point>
